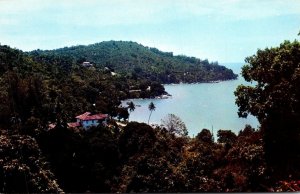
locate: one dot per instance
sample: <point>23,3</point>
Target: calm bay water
<point>205,105</point>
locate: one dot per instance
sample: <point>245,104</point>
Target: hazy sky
<point>219,30</point>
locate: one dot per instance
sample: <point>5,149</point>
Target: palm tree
<point>131,107</point>
<point>151,107</point>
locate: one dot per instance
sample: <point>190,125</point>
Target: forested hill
<point>137,61</point>
<point>36,86</point>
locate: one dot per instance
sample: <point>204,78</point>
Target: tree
<point>151,107</point>
<point>205,136</point>
<point>136,138</point>
<point>274,100</point>
<point>226,136</point>
<point>23,168</point>
<point>122,114</point>
<point>175,125</point>
<point>131,107</point>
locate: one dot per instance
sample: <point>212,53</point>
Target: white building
<point>87,120</point>
<point>87,64</point>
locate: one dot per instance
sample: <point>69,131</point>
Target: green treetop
<point>275,100</point>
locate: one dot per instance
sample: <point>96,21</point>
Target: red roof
<point>87,116</point>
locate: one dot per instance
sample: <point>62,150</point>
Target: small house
<point>87,120</point>
<point>87,64</point>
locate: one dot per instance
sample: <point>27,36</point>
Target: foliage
<point>131,107</point>
<point>122,113</point>
<point>226,136</point>
<point>136,138</point>
<point>138,62</point>
<point>48,88</point>
<point>22,167</point>
<point>158,161</point>
<point>274,100</point>
<point>83,161</point>
<point>245,168</point>
<point>205,136</point>
<point>149,158</point>
<point>151,107</point>
<point>144,159</point>
<point>175,125</point>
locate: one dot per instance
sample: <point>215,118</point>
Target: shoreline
<point>206,82</point>
<point>168,96</point>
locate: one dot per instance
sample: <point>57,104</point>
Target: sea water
<point>202,105</point>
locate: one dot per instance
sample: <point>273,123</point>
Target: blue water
<point>205,105</point>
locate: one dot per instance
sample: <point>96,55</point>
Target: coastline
<point>166,95</point>
<point>204,82</point>
<point>203,109</point>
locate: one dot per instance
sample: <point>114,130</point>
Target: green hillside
<point>136,61</point>
<point>42,86</point>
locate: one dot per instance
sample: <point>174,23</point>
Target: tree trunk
<point>149,117</point>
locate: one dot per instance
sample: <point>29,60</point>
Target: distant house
<point>87,120</point>
<point>113,73</point>
<point>87,64</point>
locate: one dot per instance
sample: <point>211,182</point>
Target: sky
<point>218,30</point>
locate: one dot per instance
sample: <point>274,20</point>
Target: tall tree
<point>151,107</point>
<point>131,107</point>
<point>175,125</point>
<point>274,100</point>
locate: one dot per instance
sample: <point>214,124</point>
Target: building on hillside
<point>87,64</point>
<point>113,73</point>
<point>87,120</point>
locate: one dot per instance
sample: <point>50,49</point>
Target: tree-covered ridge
<point>137,61</point>
<point>47,87</point>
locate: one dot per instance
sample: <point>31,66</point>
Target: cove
<point>204,105</point>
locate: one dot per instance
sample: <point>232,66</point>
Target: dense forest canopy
<point>137,61</point>
<point>275,101</point>
<point>44,86</point>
